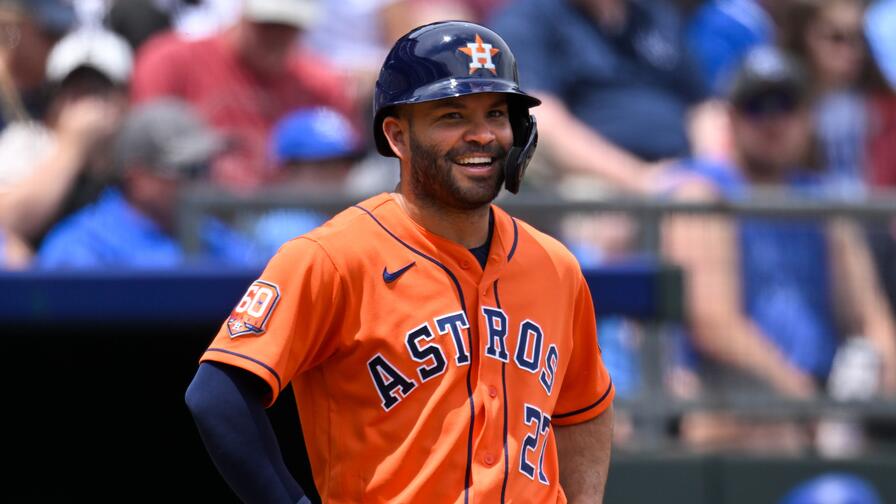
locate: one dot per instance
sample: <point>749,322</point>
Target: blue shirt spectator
<point>785,279</point>
<point>632,84</point>
<point>761,291</point>
<point>721,32</point>
<point>111,232</point>
<point>161,146</point>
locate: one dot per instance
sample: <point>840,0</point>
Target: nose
<point>480,132</point>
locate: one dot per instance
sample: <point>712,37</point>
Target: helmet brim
<point>449,88</point>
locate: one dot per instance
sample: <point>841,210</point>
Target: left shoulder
<point>534,245</point>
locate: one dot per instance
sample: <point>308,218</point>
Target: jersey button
<point>489,459</point>
<point>492,391</point>
<point>465,265</point>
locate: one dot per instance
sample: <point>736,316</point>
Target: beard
<point>434,182</point>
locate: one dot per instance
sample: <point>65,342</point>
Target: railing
<point>653,406</point>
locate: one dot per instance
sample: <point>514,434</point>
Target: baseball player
<point>440,350</point>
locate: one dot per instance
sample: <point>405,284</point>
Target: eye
<point>497,113</point>
<point>451,116</point>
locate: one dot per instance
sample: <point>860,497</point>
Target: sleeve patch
<point>253,311</point>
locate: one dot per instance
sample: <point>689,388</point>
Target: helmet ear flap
<point>520,154</point>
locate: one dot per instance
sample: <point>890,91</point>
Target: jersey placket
<point>490,457</point>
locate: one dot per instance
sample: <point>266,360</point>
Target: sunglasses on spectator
<point>185,173</point>
<point>769,104</point>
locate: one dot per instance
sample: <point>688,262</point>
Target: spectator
<point>828,37</point>
<point>28,30</point>
<point>54,167</point>
<point>855,113</point>
<point>615,82</point>
<point>762,293</point>
<point>162,145</point>
<point>315,150</point>
<point>242,80</point>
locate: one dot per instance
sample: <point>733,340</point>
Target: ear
<point>397,134</point>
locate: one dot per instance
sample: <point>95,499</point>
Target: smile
<point>475,161</point>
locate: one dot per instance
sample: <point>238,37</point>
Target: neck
<point>465,227</point>
<point>759,173</point>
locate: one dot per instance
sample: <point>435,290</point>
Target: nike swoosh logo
<point>393,276</point>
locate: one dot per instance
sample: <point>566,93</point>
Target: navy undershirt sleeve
<point>227,404</point>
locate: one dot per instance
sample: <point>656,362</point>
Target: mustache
<point>495,151</point>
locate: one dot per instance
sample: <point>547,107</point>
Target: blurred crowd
<point>110,109</point>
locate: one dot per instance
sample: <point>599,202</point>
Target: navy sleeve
<point>227,404</point>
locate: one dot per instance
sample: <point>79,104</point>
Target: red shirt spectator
<point>882,144</point>
<point>242,81</point>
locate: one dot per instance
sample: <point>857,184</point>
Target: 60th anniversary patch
<point>253,311</point>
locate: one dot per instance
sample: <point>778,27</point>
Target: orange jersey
<point>419,376</point>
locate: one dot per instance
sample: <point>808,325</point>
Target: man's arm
<point>30,206</point>
<point>227,404</point>
<point>576,148</point>
<point>860,295</point>
<point>584,455</point>
<point>705,247</point>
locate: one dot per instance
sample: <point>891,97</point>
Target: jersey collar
<point>454,255</point>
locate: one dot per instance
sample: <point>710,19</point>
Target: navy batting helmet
<point>456,58</point>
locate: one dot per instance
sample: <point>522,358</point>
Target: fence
<point>99,361</point>
<point>652,407</point>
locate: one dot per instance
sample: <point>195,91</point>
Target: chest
<point>436,329</point>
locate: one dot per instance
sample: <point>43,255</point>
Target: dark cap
<point>768,74</point>
<point>167,136</point>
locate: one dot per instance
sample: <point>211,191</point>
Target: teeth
<point>475,160</point>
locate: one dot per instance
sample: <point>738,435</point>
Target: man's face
<point>458,148</point>
<point>324,175</point>
<point>267,46</point>
<point>773,138</point>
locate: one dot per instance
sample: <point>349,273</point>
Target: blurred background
<point>724,171</point>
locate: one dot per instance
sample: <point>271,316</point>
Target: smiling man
<point>439,349</point>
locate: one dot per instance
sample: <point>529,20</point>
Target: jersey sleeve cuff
<point>250,364</point>
<point>586,412</point>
